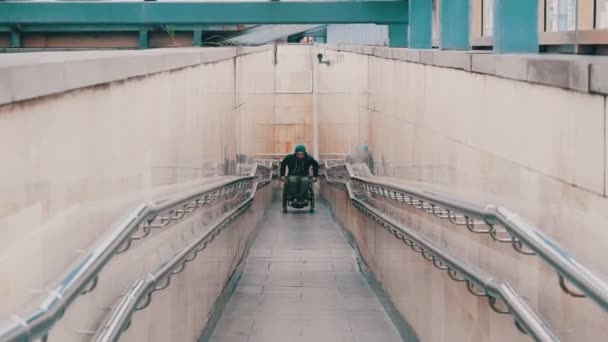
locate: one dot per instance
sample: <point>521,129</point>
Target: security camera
<point>320,58</point>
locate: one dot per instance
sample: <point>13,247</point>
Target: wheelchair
<point>289,200</point>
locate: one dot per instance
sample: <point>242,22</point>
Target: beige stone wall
<point>275,100</point>
<point>179,313</point>
<point>437,308</point>
<point>342,102</point>
<point>281,100</point>
<point>74,163</point>
<point>535,149</point>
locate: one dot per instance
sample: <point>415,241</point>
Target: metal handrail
<point>139,294</point>
<point>478,282</point>
<point>83,277</point>
<point>503,226</point>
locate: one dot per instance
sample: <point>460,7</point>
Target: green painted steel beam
<point>421,24</point>
<point>397,35</point>
<point>143,39</point>
<point>111,28</point>
<point>151,13</point>
<point>516,26</point>
<point>454,19</point>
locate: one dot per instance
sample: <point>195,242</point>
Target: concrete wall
<point>107,130</point>
<point>341,92</point>
<point>274,100</point>
<point>291,99</point>
<point>432,304</point>
<point>282,100</point>
<point>493,136</point>
<point>84,137</point>
<point>75,162</point>
<point>115,128</point>
<point>179,312</point>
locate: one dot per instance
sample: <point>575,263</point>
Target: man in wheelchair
<point>298,176</point>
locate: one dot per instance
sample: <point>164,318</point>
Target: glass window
<point>487,25</point>
<point>561,15</point>
<point>601,13</point>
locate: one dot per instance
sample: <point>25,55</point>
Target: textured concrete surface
<point>177,313</point>
<point>20,74</point>
<point>93,155</point>
<point>301,283</point>
<point>536,149</point>
<point>75,161</point>
<point>275,100</point>
<point>574,72</point>
<point>436,307</point>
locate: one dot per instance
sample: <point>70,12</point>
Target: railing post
<point>397,35</point>
<point>515,26</point>
<point>143,39</point>
<point>454,23</point>
<point>197,38</point>
<point>421,24</point>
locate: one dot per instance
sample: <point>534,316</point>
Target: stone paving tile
<point>302,283</point>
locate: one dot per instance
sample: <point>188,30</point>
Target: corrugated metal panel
<point>357,34</point>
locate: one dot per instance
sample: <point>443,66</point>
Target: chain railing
<point>502,225</point>
<point>502,297</point>
<point>137,225</point>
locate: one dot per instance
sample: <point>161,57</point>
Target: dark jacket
<point>299,167</point>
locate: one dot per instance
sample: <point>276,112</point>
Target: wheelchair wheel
<point>284,198</point>
<point>312,199</point>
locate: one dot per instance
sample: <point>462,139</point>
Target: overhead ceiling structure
<point>410,23</point>
<point>147,18</point>
<point>202,13</point>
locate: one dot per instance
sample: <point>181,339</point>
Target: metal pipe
<point>36,323</point>
<point>525,316</point>
<point>523,313</point>
<point>522,233</point>
<point>530,236</point>
<point>557,257</point>
<point>121,314</point>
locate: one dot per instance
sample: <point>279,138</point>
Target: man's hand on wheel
<point>282,179</point>
<point>314,179</point>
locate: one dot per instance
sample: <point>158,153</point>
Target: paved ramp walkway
<point>301,283</point>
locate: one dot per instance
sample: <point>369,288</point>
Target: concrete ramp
<point>302,283</point>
